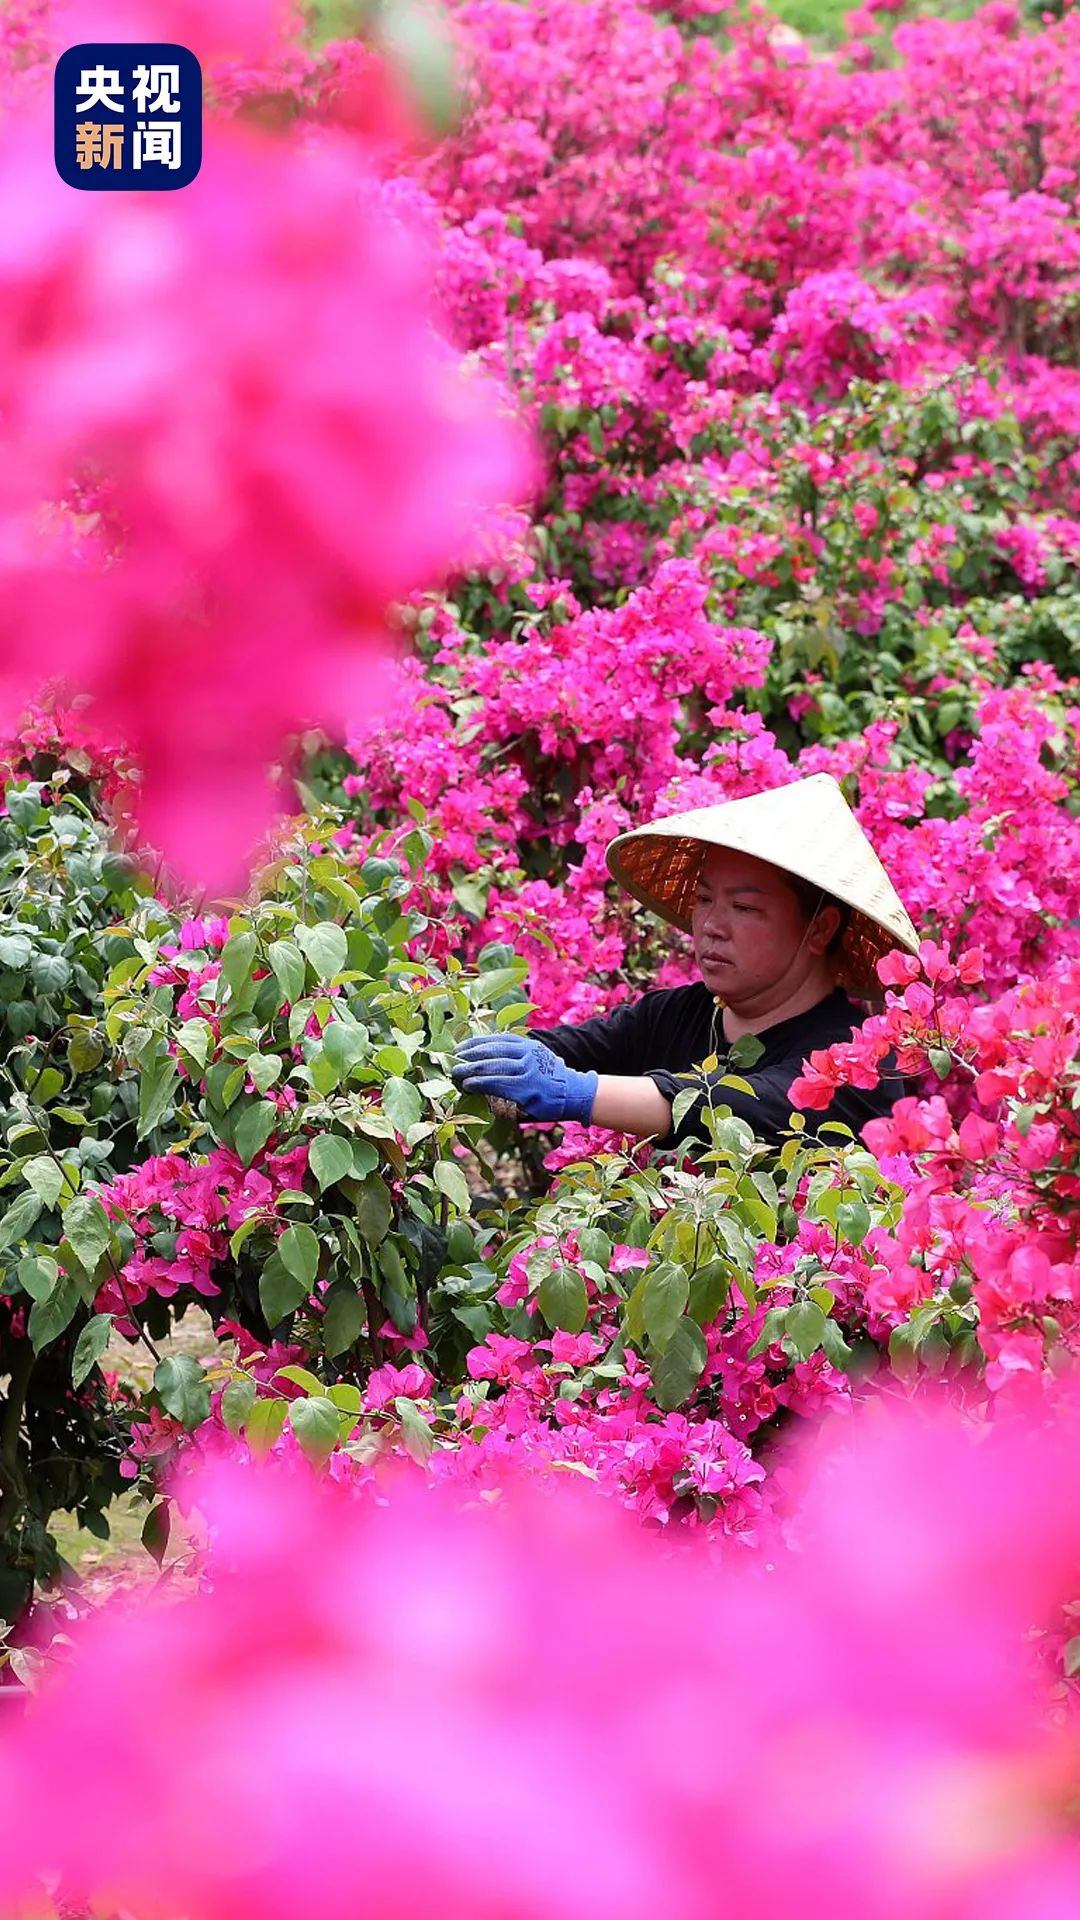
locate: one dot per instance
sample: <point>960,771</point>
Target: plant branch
<point>12,1480</point>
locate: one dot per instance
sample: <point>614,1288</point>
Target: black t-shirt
<point>669,1032</point>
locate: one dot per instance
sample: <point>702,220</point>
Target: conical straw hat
<point>805,828</point>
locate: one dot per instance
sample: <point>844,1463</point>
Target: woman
<point>789,909</point>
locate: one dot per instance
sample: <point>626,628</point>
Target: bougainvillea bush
<point>421,1666</point>
<point>795,335</point>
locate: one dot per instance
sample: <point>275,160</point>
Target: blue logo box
<point>128,117</point>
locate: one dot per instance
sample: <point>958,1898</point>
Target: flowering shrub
<point>302,1069</point>
<point>67,1121</point>
<point>338,1637</point>
<point>212,433</point>
<point>796,336</point>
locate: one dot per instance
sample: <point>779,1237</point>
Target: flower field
<point>531,424</point>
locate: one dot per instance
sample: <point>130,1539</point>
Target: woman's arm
<point>631,1104</point>
<point>510,1066</point>
<point>612,1043</point>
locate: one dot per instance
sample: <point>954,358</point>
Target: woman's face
<point>750,934</point>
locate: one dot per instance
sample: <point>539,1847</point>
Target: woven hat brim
<point>660,867</point>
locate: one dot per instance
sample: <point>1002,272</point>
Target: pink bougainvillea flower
<point>272,442</point>
<point>387,1383</point>
<point>535,1709</point>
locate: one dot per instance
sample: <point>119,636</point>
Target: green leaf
<point>1072,1657</point>
<point>853,1221</point>
<point>315,1424</point>
<point>90,1346</point>
<point>761,1216</point>
<point>155,1531</point>
<point>392,1266</point>
<point>53,1313</point>
<point>265,1069</point>
<point>15,949</point>
<point>326,946</point>
<point>772,1330</point>
<point>289,969</point>
<point>244,1232</point>
<point>343,1320</point>
<point>184,1389</point>
<point>416,1435</point>
<point>237,1402</point>
<point>634,1317</point>
<point>835,1347</point>
<point>195,1039</point>
<point>450,1180</point>
<point>475,1318</point>
<point>346,1397</point>
<point>746,1051</point>
<point>37,1275</point>
<point>374,1209</point>
<point>491,986</point>
<point>24,804</point>
<point>280,1292</point>
<point>941,1061</point>
<point>50,972</point>
<point>594,1246</point>
<point>682,1104</point>
<point>392,1060</point>
<point>734,1137</point>
<point>324,1074</point>
<point>709,1289</point>
<point>85,1050</point>
<point>298,1247</point>
<point>563,1300</point>
<point>87,1229</point>
<point>736,1080</point>
<point>253,1129</point>
<point>299,1016</point>
<point>264,1425</point>
<point>805,1327</point>
<point>48,1084</point>
<point>330,1159</point>
<point>365,1158</point>
<point>934,1348</point>
<point>902,1355</point>
<point>158,1080</point>
<point>667,1290</point>
<point>680,1366</point>
<point>237,958</point>
<point>223,1083</point>
<point>515,1013</point>
<point>345,1044</point>
<point>46,1177</point>
<point>401,1104</point>
<point>18,1219</point>
<point>472,896</point>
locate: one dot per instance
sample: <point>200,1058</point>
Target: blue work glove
<point>514,1068</point>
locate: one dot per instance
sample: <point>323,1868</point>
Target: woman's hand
<point>515,1068</point>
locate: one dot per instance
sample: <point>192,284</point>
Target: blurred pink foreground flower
<point>243,382</point>
<point>390,1708</point>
